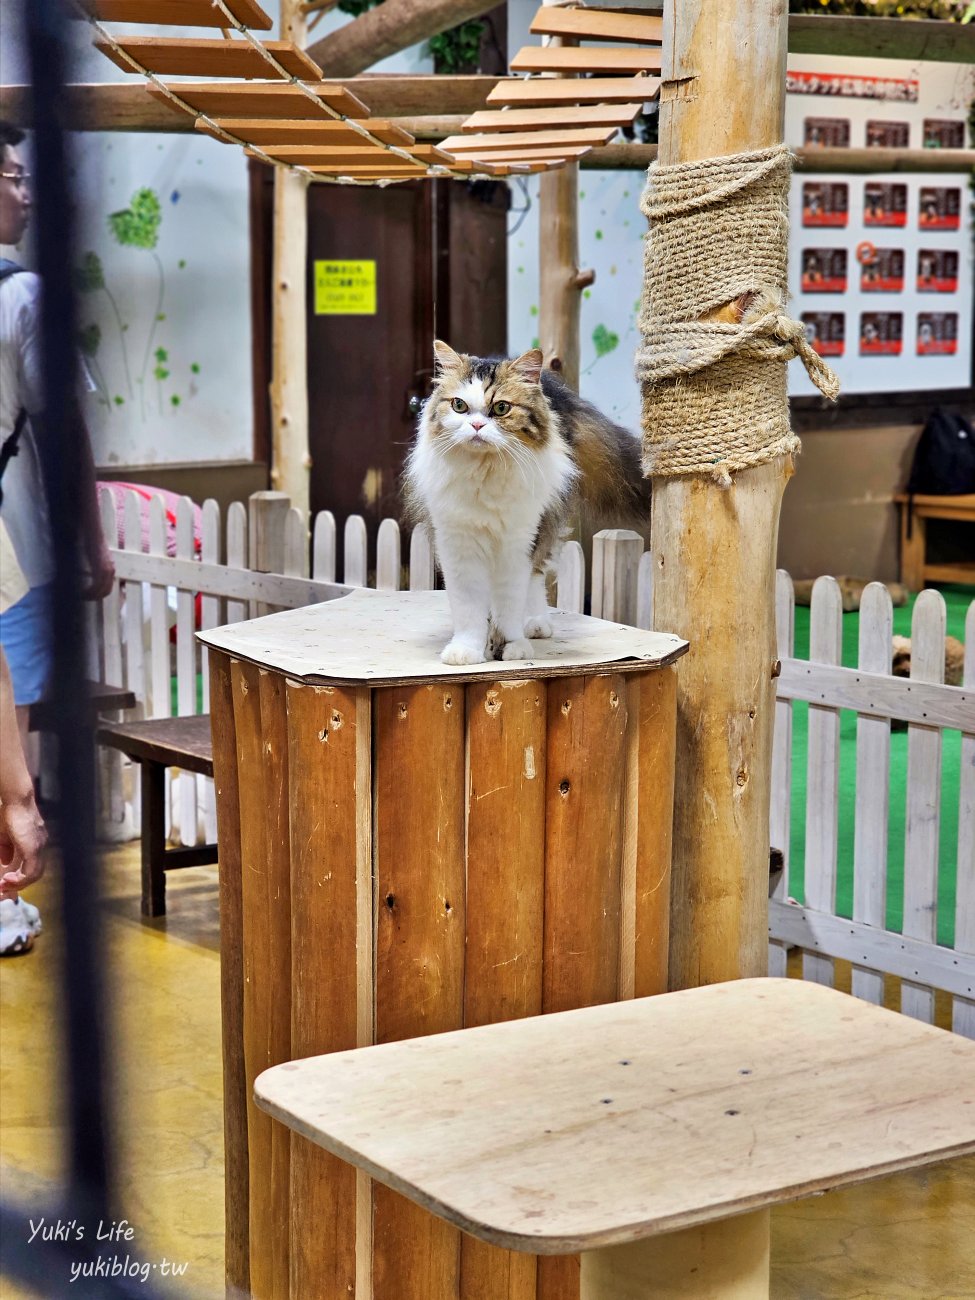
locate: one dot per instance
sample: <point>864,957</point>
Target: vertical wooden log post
<point>560,281</point>
<point>290,457</point>
<point>713,549</point>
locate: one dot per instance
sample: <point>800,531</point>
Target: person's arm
<point>91,540</point>
<point>22,831</point>
<point>101,567</point>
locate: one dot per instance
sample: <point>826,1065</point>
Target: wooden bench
<point>915,512</point>
<point>159,743</point>
<point>634,1131</point>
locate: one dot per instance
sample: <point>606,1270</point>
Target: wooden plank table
<point>419,847</point>
<point>156,744</point>
<point>620,1130</point>
<point>915,511</point>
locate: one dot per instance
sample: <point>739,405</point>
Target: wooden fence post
<point>616,556</point>
<point>290,458</point>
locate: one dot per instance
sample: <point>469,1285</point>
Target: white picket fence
<point>929,707</point>
<point>258,559</point>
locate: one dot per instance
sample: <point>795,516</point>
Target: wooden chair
<point>634,1131</point>
<point>158,743</point>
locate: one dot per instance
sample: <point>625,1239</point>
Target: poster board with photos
<point>880,266</point>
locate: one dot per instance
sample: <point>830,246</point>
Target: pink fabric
<point>145,495</point>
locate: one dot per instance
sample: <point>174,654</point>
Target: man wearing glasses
<point>26,553</point>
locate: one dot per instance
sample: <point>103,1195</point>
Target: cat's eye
<point>457,404</point>
<point>500,408</point>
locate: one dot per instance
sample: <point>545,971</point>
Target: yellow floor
<point>907,1237</point>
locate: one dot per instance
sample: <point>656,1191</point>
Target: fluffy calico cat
<point>504,453</point>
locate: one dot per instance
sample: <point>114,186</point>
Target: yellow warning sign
<point>345,288</point>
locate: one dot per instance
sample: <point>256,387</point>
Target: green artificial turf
<point>957,599</point>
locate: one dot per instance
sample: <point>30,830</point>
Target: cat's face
<point>483,407</point>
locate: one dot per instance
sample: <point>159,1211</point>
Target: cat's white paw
<point>517,650</point>
<point>539,627</point>
<point>462,652</point>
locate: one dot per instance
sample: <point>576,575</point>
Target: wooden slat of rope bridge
<point>178,13</point>
<point>305,155</point>
<point>264,100</point>
<point>551,155</point>
<point>528,119</point>
<point>588,136</point>
<point>591,90</point>
<point>209,57</point>
<point>310,131</point>
<point>600,59</point>
<point>598,25</point>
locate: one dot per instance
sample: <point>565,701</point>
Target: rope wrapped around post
<point>713,307</point>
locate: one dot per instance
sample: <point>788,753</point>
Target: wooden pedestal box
<point>406,849</point>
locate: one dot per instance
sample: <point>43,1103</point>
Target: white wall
<point>167,328</point>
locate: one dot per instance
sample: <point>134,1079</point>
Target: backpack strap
<point>11,445</point>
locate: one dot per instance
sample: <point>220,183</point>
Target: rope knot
<point>719,235</point>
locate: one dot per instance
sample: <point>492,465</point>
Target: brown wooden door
<point>440,257</point>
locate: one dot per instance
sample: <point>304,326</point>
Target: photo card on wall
<point>826,332</point>
<point>937,333</point>
<point>888,135</point>
<point>825,203</point>
<point>883,271</point>
<point>884,204</point>
<point>937,270</point>
<point>881,333</point>
<point>939,207</point>
<point>824,270</point>
<point>827,132</point>
<point>943,133</point>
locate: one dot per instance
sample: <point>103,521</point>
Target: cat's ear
<point>445,356</point>
<point>528,367</point>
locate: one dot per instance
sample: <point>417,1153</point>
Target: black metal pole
<point>45,27</point>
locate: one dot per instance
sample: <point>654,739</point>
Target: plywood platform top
<point>591,1128</point>
<point>392,637</point>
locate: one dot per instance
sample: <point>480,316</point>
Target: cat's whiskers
<point>523,459</point>
<point>506,451</point>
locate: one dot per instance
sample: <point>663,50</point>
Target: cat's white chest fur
<point>485,510</point>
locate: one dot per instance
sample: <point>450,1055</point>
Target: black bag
<point>944,459</point>
<point>10,445</point>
